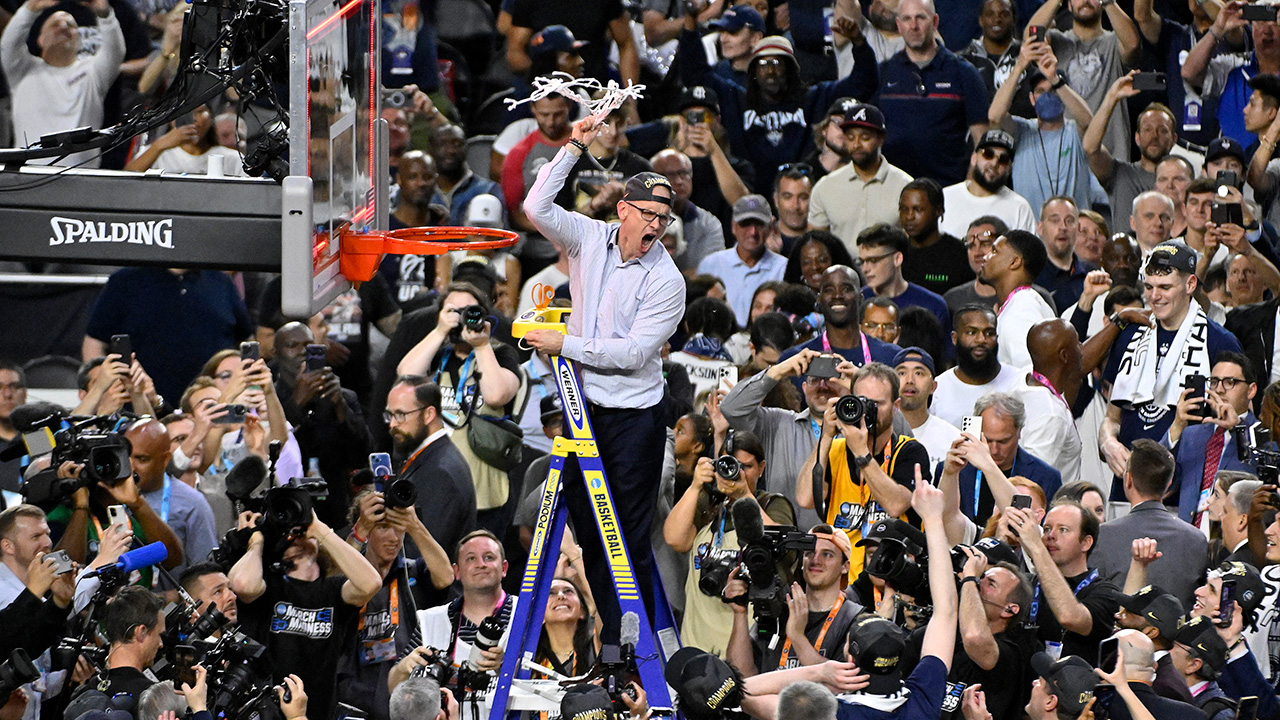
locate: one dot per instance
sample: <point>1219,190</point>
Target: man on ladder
<point>628,298</point>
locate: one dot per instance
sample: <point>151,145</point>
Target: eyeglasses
<point>399,415</point>
<point>872,327</point>
<point>649,216</point>
<point>1224,383</point>
<point>871,260</point>
<point>770,62</point>
<point>1003,158</point>
<point>983,240</point>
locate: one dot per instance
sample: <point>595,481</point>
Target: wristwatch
<point>972,578</point>
<point>863,460</point>
<point>1062,80</point>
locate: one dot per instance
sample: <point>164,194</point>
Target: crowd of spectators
<point>982,297</point>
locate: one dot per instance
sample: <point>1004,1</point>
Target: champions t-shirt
<point>850,506</point>
<point>306,626</point>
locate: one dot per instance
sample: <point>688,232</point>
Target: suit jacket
<point>1161,708</point>
<point>446,497</point>
<point>1189,455</point>
<point>1241,677</point>
<point>1255,327</point>
<point>1169,682</point>
<point>1185,548</point>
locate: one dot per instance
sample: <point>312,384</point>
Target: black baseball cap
<point>1250,590</point>
<point>554,38</point>
<point>699,96</point>
<point>1071,679</point>
<point>1160,609</point>
<point>997,551</point>
<point>895,529</point>
<point>586,702</point>
<point>641,187</point>
<point>549,409</point>
<point>841,105</point>
<point>876,645</point>
<point>1171,255</point>
<point>1201,637</point>
<point>1226,147</point>
<point>996,138</point>
<point>705,683</point>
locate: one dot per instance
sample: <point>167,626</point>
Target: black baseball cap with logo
<point>641,186</point>
<point>1158,608</point>
<point>1070,679</point>
<point>586,702</point>
<point>876,645</point>
<point>1171,255</point>
<point>707,686</point>
<point>1200,636</point>
<point>864,116</point>
<point>895,529</point>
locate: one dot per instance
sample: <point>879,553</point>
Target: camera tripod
<point>654,645</point>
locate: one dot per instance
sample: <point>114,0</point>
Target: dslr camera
<point>853,409</point>
<point>474,318</point>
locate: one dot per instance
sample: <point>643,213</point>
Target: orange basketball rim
<point>360,253</point>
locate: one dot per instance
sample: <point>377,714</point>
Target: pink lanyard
<point>1045,381</point>
<point>866,350</point>
<point>1009,299</point>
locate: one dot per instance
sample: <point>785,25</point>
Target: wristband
<point>578,144</point>
<point>355,533</point>
<point>1117,321</point>
<point>972,578</point>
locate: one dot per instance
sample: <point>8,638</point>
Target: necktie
<point>1212,456</point>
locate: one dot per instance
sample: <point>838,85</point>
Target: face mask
<point>1049,107</point>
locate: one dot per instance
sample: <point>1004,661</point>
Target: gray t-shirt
<point>1091,66</point>
<point>1128,181</point>
<point>1049,162</point>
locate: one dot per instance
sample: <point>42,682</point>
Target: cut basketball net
<point>612,95</point>
<point>361,252</point>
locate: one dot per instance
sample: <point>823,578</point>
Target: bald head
<point>1139,654</point>
<point>150,454</point>
<point>1047,339</point>
<point>291,346</point>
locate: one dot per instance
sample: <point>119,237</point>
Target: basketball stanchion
<point>360,253</point>
<point>653,644</point>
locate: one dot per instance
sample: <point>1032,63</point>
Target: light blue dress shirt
<point>623,312</point>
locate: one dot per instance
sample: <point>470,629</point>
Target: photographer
<point>306,620</point>
<point>80,523</point>
<point>818,617</point>
<point>382,638</point>
<point>994,602</point>
<point>455,628</point>
<point>475,374</point>
<point>700,524</point>
<point>419,699</point>
<point>865,475</point>
<point>135,628</point>
<point>326,417</point>
<point>208,585</point>
<point>1072,607</point>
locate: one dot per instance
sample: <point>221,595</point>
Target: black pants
<point>632,444</point>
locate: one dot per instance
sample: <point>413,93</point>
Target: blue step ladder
<point>655,644</point>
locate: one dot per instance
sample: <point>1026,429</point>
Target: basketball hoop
<point>360,253</point>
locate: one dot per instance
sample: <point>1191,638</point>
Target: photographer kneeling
<point>700,524</point>
<point>305,619</point>
<point>818,617</point>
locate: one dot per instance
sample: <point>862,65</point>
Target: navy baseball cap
<point>915,354</point>
<point>1226,146</point>
<point>738,17</point>
<point>863,116</point>
<point>699,96</point>
<point>1171,255</point>
<point>554,38</point>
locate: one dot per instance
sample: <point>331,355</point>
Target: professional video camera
<point>286,509</point>
<point>903,566</point>
<point>853,409</point>
<point>96,443</point>
<point>15,672</point>
<point>762,548</point>
<point>1251,447</point>
<point>240,685</point>
<point>616,667</point>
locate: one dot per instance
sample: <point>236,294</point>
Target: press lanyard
<point>817,645</point>
<point>1009,299</point>
<point>463,374</point>
<point>866,349</point>
<point>1035,598</point>
<point>395,606</point>
<point>412,457</point>
<point>977,485</point>
<point>164,498</point>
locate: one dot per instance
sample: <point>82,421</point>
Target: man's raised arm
<point>565,229</point>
